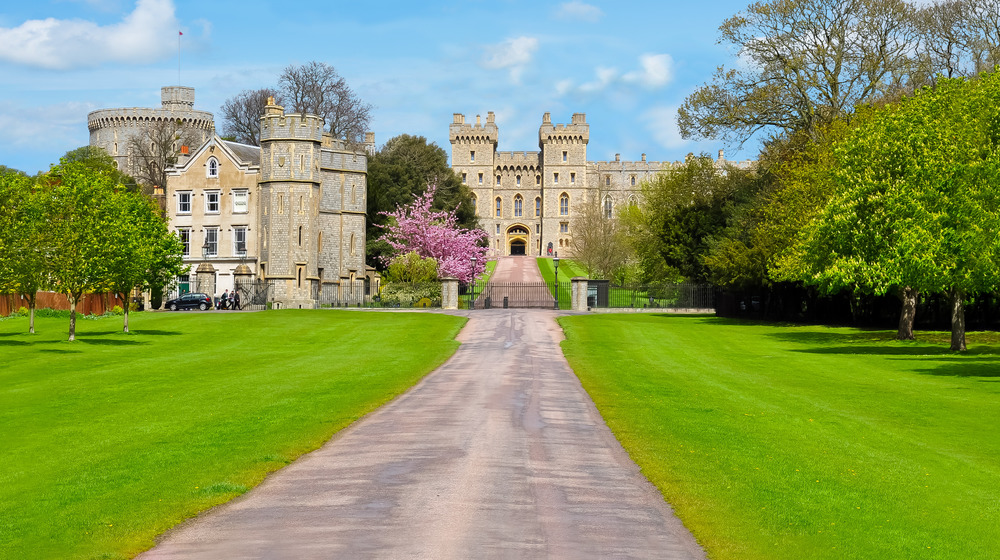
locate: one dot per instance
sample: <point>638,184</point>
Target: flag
<point>180,32</point>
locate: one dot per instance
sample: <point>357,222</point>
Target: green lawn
<point>115,438</point>
<point>567,270</point>
<point>793,442</point>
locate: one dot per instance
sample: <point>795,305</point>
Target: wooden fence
<point>90,304</point>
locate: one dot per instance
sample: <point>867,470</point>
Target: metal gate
<point>509,295</point>
<point>254,294</point>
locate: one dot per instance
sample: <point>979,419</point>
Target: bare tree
<point>598,239</point>
<point>154,149</point>
<point>318,89</point>
<point>241,114</point>
<point>983,32</point>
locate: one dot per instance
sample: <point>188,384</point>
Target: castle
<point>530,202</point>
<point>291,211</point>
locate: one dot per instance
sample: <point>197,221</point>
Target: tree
<point>24,259</point>
<point>99,161</point>
<point>401,171</point>
<point>241,114</point>
<point>599,240</point>
<point>412,268</point>
<point>154,149</point>
<point>418,228</point>
<point>806,62</point>
<point>916,203</point>
<point>318,89</point>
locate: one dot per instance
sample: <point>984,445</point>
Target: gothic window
<point>499,207</point>
<point>607,206</point>
<point>564,204</point>
<point>563,227</point>
<point>555,178</point>
<point>607,181</point>
<point>538,207</point>
<point>213,167</point>
<point>498,180</point>
<point>518,204</point>
<point>538,179</point>
<point>519,180</point>
<point>633,201</point>
<point>475,205</point>
<point>633,180</point>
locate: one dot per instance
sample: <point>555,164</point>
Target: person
<point>224,300</point>
<point>235,298</point>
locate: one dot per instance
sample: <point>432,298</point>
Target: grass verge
<point>115,438</point>
<point>567,270</point>
<point>791,442</point>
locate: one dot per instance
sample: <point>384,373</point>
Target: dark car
<point>190,301</point>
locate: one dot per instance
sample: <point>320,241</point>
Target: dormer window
<point>213,167</point>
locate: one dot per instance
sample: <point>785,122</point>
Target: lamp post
<point>204,250</point>
<point>472,297</point>
<point>555,261</point>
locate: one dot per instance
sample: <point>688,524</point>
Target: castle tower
<point>473,156</point>
<point>564,182</point>
<point>289,195</point>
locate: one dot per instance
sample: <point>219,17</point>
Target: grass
<point>113,439</point>
<point>791,442</point>
<point>567,270</point>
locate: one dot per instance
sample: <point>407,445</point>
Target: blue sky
<point>627,65</point>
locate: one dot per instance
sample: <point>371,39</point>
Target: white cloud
<point>579,11</point>
<point>605,76</point>
<point>146,34</point>
<point>657,71</point>
<point>563,87</point>
<point>514,54</point>
<point>662,125</point>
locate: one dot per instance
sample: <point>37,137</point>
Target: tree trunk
<point>126,306</point>
<point>72,317</point>
<point>31,315</point>
<point>958,321</point>
<point>908,296</point>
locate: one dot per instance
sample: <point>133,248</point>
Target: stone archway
<point>517,240</point>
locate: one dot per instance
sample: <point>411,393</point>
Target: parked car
<point>190,301</point>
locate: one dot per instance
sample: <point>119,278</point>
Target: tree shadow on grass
<point>878,342</point>
<point>15,343</point>
<point>59,351</point>
<point>108,341</point>
<point>962,366</point>
<point>155,332</point>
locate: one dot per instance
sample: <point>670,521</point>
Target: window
<point>480,178</point>
<point>607,206</point>
<point>518,204</point>
<point>498,180</point>
<point>538,229</point>
<point>211,202</point>
<point>633,201</point>
<point>499,207</point>
<point>564,204</point>
<point>563,227</point>
<point>572,178</point>
<point>212,240</point>
<point>538,179</point>
<point>564,156</point>
<point>538,207</point>
<point>475,205</point>
<point>185,236</point>
<point>281,203</point>
<point>632,180</point>
<point>353,251</point>
<point>555,178</point>
<point>498,229</point>
<point>184,202</point>
<point>240,241</point>
<point>607,181</point>
<point>241,201</point>
<point>472,157</point>
<point>213,167</point>
<point>300,236</point>
<point>519,180</point>
<point>464,180</point>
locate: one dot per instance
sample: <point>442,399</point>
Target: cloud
<point>657,71</point>
<point>146,34</point>
<point>514,54</point>
<point>605,77</point>
<point>662,125</point>
<point>579,11</point>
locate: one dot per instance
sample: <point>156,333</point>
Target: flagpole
<point>179,33</point>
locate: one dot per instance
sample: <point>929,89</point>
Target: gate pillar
<point>449,293</point>
<point>578,293</point>
<point>206,279</point>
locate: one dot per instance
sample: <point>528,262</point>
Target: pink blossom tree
<point>436,234</point>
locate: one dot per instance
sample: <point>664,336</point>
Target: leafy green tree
<point>916,202</point>
<point>99,161</point>
<point>804,63</point>
<point>24,258</point>
<point>401,171</point>
<point>411,267</point>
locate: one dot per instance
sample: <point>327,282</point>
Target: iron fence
<point>254,293</point>
<point>601,293</point>
<point>515,295</point>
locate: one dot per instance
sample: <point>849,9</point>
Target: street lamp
<point>204,249</point>
<point>472,297</point>
<point>241,251</point>
<point>555,261</point>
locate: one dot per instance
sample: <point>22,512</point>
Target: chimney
<point>489,117</point>
<point>478,123</point>
<point>643,157</point>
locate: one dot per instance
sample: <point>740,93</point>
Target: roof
<point>246,153</point>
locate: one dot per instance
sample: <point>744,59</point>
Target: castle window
<point>498,180</point>
<point>572,178</point>
<point>184,202</point>
<point>498,229</point>
<point>241,200</point>
<point>464,181</point>
<point>555,178</point>
<point>564,204</point>
<point>185,236</point>
<point>300,236</point>
<point>213,167</point>
<point>116,148</point>
<point>607,181</point>
<point>212,202</point>
<point>563,227</point>
<point>472,157</point>
<point>518,204</point>
<point>633,201</point>
<point>475,205</point>
<point>564,155</point>
<point>633,180</point>
<point>538,207</point>
<point>499,207</point>
<point>281,203</point>
<point>480,178</point>
<point>538,179</point>
<point>519,180</point>
<point>538,229</point>
<point>607,206</point>
<point>352,245</point>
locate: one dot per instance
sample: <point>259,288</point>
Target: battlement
<point>460,131</point>
<point>577,132</point>
<point>506,158</point>
<point>276,125</point>
<point>177,98</point>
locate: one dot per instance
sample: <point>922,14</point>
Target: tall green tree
<point>917,202</point>
<point>24,258</point>
<point>398,173</point>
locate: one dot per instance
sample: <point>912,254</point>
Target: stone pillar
<point>449,293</point>
<point>206,279</point>
<point>579,293</point>
<point>242,275</point>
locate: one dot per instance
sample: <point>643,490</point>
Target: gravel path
<point>497,454</point>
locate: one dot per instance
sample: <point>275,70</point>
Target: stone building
<point>291,211</point>
<point>528,201</point>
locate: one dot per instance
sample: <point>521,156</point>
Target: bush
<point>116,310</point>
<point>406,294</point>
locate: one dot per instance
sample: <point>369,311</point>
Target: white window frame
<point>183,197</point>
<point>184,234</point>
<point>240,231</point>
<point>212,240</point>
<point>243,194</point>
<point>209,196</point>
<point>212,168</point>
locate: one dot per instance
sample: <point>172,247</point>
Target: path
<point>518,279</point>
<point>497,454</point>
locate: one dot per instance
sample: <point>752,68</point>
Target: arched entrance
<point>517,240</point>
